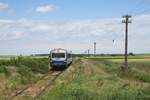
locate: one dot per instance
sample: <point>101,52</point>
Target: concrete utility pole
<point>88,52</point>
<point>94,48</point>
<point>126,21</point>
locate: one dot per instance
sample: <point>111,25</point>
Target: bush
<point>26,74</point>
<point>4,70</point>
<point>37,65</point>
<point>4,62</point>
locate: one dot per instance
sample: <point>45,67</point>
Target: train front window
<point>58,55</point>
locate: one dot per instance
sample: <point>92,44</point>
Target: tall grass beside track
<point>17,72</point>
<point>100,79</point>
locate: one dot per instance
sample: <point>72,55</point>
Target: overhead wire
<point>142,12</point>
<point>137,9</point>
<point>139,5</point>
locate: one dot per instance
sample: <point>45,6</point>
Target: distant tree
<point>131,54</point>
<point>102,54</point>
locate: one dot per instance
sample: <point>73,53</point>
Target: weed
<point>4,70</point>
<point>26,74</point>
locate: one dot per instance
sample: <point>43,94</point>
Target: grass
<point>100,79</point>
<point>18,72</point>
<point>97,78</point>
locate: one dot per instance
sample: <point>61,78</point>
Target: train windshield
<point>58,55</point>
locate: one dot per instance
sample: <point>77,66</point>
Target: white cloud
<point>78,35</point>
<point>6,21</point>
<point>3,7</point>
<point>24,22</point>
<point>45,9</point>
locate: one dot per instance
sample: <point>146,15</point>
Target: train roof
<point>60,50</point>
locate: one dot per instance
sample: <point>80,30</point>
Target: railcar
<point>60,58</point>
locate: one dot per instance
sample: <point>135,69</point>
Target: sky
<point>37,26</point>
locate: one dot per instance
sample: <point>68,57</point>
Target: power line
<point>138,6</point>
<point>142,12</point>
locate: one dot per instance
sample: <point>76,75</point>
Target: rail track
<point>33,91</point>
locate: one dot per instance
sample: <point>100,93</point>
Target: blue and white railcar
<point>60,57</point>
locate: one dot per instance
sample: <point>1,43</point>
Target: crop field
<point>120,59</point>
<point>130,60</point>
<point>94,78</point>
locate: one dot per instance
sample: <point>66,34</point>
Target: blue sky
<point>71,9</point>
<point>36,26</point>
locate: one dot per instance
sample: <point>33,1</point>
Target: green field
<point>102,79</point>
<point>99,78</point>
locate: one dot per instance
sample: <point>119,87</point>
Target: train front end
<point>58,58</point>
